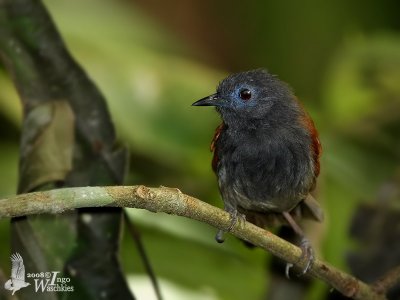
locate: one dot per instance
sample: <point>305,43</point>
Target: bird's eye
<point>245,94</point>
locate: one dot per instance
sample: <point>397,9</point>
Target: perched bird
<point>17,280</point>
<point>266,153</point>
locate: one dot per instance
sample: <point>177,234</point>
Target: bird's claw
<point>307,254</point>
<point>235,217</point>
<point>219,237</point>
<point>287,269</point>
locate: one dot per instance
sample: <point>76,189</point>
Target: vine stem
<point>173,201</point>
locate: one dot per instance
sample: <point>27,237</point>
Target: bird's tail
<point>8,285</point>
<point>314,208</point>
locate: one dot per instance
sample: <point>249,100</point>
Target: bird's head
<point>249,96</point>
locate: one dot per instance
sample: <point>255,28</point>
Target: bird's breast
<point>262,171</point>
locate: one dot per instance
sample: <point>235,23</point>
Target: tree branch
<point>172,201</point>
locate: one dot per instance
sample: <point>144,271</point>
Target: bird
<point>17,280</point>
<point>266,154</point>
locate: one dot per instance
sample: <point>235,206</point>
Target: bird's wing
<point>317,150</point>
<point>218,131</point>
<point>316,147</point>
<point>18,268</point>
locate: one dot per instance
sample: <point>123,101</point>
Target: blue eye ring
<point>245,94</point>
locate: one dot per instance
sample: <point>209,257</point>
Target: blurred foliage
<point>151,68</point>
<point>363,82</point>
<point>362,104</point>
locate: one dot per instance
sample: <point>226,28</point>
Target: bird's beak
<point>211,100</point>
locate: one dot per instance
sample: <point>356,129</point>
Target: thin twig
<point>135,234</point>
<point>388,281</point>
<point>172,201</point>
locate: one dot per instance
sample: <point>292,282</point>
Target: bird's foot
<point>307,254</point>
<point>235,218</point>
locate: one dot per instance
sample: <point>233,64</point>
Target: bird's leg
<point>235,217</point>
<point>305,245</point>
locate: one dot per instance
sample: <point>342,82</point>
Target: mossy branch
<point>173,201</point>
